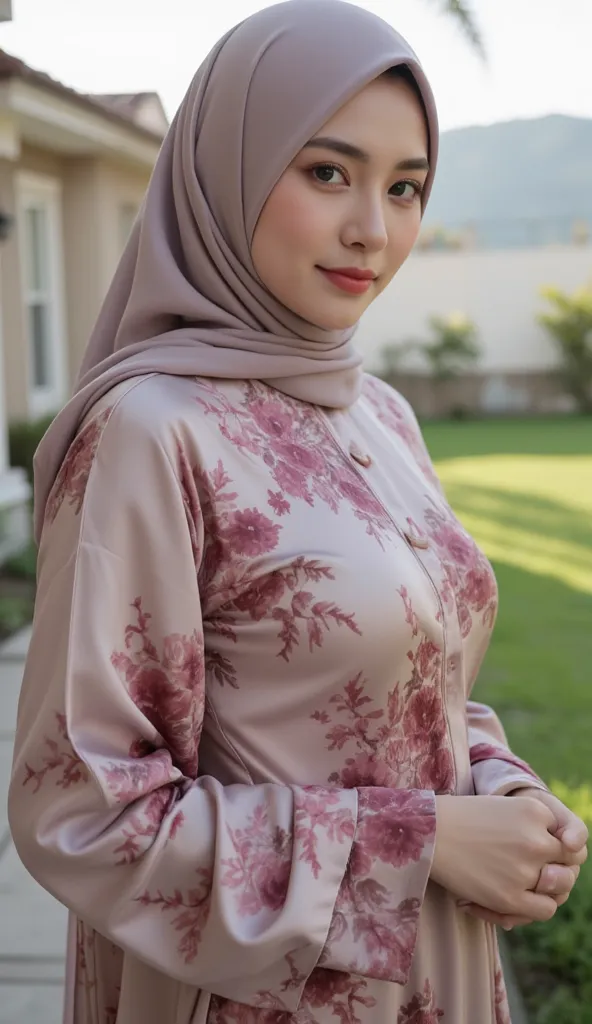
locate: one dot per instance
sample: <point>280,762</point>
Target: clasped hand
<point>510,861</point>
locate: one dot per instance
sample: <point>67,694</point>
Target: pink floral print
<point>469,583</point>
<point>486,751</point>
<point>394,828</point>
<point>467,570</point>
<point>142,827</point>
<point>60,761</point>
<point>320,811</point>
<point>260,869</point>
<point>299,452</point>
<point>72,479</point>
<point>190,912</point>
<point>422,1009</point>
<point>250,533</point>
<point>397,839</point>
<point>232,582</point>
<point>211,673</point>
<point>502,1008</point>
<point>393,410</point>
<point>169,687</point>
<point>259,872</point>
<point>346,996</point>
<point>144,770</point>
<point>403,743</point>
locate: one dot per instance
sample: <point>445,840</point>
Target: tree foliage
<point>569,322</point>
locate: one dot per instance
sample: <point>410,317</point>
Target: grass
<point>524,490</point>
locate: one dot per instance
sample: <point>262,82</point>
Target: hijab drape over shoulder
<point>186,298</point>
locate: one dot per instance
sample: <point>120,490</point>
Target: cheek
<point>291,219</point>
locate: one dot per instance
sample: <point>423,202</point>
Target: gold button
<point>361,457</point>
<point>415,541</point>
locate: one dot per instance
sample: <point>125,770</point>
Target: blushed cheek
<point>296,218</point>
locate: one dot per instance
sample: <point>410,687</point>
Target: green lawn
<point>524,489</point>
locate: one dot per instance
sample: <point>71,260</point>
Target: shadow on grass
<point>532,514</point>
<point>537,673</point>
<point>538,676</point>
<point>543,537</point>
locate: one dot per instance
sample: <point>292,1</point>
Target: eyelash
<point>416,185</point>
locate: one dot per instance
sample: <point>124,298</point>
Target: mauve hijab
<point>186,298</point>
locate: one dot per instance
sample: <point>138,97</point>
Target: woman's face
<point>350,201</point>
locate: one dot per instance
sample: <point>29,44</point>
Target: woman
<point>244,734</point>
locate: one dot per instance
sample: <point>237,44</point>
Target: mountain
<point>516,181</point>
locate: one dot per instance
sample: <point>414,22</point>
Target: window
<point>42,270</point>
<point>39,298</point>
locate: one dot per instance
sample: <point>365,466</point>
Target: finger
<point>571,858</point>
<point>555,880</point>
<point>554,852</point>
<point>537,907</point>
<point>574,836</point>
<point>568,826</point>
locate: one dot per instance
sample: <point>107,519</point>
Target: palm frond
<point>461,12</point>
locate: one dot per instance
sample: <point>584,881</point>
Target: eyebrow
<point>347,149</point>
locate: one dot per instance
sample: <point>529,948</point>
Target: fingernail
<point>507,927</point>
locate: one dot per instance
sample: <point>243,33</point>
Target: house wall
<point>97,201</point>
<point>39,161</point>
<point>83,270</point>
<point>499,291</point>
<point>95,195</point>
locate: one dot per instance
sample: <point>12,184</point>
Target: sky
<point>538,51</point>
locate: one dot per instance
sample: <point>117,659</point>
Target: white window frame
<point>36,191</point>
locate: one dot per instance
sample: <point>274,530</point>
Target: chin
<point>335,320</point>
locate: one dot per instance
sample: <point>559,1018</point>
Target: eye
<point>408,190</point>
<point>329,174</point>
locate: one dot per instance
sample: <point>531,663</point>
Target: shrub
<point>453,348</point>
<point>15,613</point>
<point>22,565</point>
<point>570,325</point>
<point>23,439</point>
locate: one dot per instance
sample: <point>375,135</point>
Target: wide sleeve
<point>496,770</point>
<point>237,889</point>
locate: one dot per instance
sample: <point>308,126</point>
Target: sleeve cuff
<point>497,777</point>
<point>376,918</point>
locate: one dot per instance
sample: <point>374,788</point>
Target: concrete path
<point>32,923</point>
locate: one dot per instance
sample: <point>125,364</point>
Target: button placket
<point>427,556</point>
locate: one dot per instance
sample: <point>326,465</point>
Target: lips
<point>354,272</point>
<point>349,279</point>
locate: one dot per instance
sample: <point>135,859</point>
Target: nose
<point>365,228</point>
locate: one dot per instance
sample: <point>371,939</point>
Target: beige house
<point>73,172</point>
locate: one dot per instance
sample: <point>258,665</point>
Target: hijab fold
<point>186,298</point>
